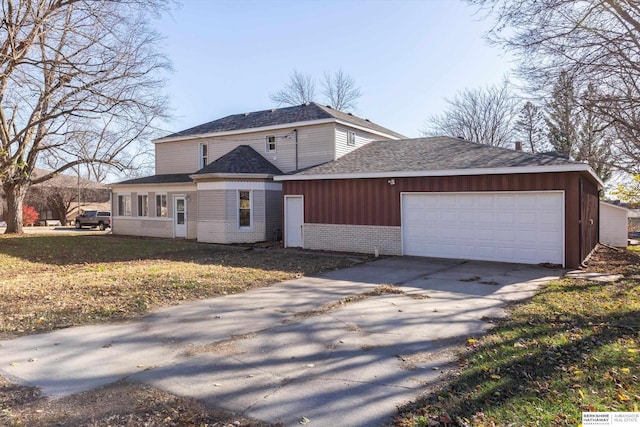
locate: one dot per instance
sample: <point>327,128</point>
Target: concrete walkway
<point>272,355</point>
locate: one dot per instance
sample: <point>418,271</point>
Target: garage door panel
<point>508,217</point>
<point>484,217</point>
<point>505,202</point>
<point>512,227</point>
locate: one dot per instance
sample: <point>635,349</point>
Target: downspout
<point>598,216</point>
<point>296,131</point>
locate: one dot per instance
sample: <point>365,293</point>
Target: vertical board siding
<point>589,217</point>
<point>376,202</point>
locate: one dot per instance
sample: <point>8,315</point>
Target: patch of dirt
<point>614,261</point>
<point>115,405</point>
<point>224,347</point>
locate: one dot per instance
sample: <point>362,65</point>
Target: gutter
<point>579,167</point>
<point>202,176</point>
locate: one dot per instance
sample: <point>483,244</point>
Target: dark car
<point>93,219</point>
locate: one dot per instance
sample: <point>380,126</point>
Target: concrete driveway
<point>279,354</point>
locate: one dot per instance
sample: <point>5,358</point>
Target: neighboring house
<point>634,220</point>
<point>214,182</point>
<point>446,197</point>
<point>57,200</point>
<point>614,224</point>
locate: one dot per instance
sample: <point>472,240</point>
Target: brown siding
<point>376,202</point>
<point>589,217</point>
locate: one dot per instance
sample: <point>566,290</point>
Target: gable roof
<point>278,116</point>
<point>175,178</point>
<point>242,159</point>
<point>434,156</point>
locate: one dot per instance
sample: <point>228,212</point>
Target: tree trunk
<point>15,196</point>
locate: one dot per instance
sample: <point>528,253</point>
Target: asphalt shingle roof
<point>242,159</point>
<point>279,116</point>
<point>159,179</point>
<point>430,154</point>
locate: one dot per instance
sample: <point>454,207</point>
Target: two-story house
<point>214,182</point>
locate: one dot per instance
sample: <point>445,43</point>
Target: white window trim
<point>138,204</point>
<point>202,159</point>
<point>351,138</point>
<point>250,227</point>
<point>118,205</point>
<point>166,198</point>
<point>266,144</point>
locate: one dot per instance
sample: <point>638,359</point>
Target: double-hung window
<point>270,144</point>
<point>351,138</point>
<point>244,209</point>
<point>143,205</point>
<point>204,155</point>
<point>161,205</point>
<point>124,205</point>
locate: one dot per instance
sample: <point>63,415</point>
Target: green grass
<point>575,347</point>
<point>51,282</point>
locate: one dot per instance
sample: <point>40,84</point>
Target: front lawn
<point>51,282</point>
<point>575,347</point>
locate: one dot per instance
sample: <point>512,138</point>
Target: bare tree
<point>593,40</point>
<point>74,73</point>
<point>341,91</point>
<point>480,115</point>
<point>299,90</point>
<point>530,127</point>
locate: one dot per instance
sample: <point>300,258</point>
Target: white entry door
<point>523,227</point>
<point>180,216</point>
<point>293,220</point>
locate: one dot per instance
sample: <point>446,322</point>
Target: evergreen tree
<point>562,116</point>
<point>530,128</point>
<point>594,139</point>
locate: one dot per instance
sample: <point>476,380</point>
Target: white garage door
<point>524,227</point>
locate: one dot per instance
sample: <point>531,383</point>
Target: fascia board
<point>446,172</point>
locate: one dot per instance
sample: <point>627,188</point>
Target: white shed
<point>613,224</point>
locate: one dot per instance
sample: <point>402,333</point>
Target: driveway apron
<point>326,348</point>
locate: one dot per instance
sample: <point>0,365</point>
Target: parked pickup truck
<point>93,219</point>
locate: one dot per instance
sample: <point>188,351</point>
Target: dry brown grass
<point>52,282</point>
<point>119,404</point>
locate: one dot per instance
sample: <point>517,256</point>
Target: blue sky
<point>406,56</point>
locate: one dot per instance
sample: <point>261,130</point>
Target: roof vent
<point>273,109</point>
<point>350,114</point>
<point>328,106</point>
<point>460,137</point>
<point>246,114</point>
<point>307,103</point>
<point>367,120</point>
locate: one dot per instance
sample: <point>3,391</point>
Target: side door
<point>180,216</point>
<point>294,220</point>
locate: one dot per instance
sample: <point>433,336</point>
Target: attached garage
<point>523,227</point>
<point>449,198</point>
